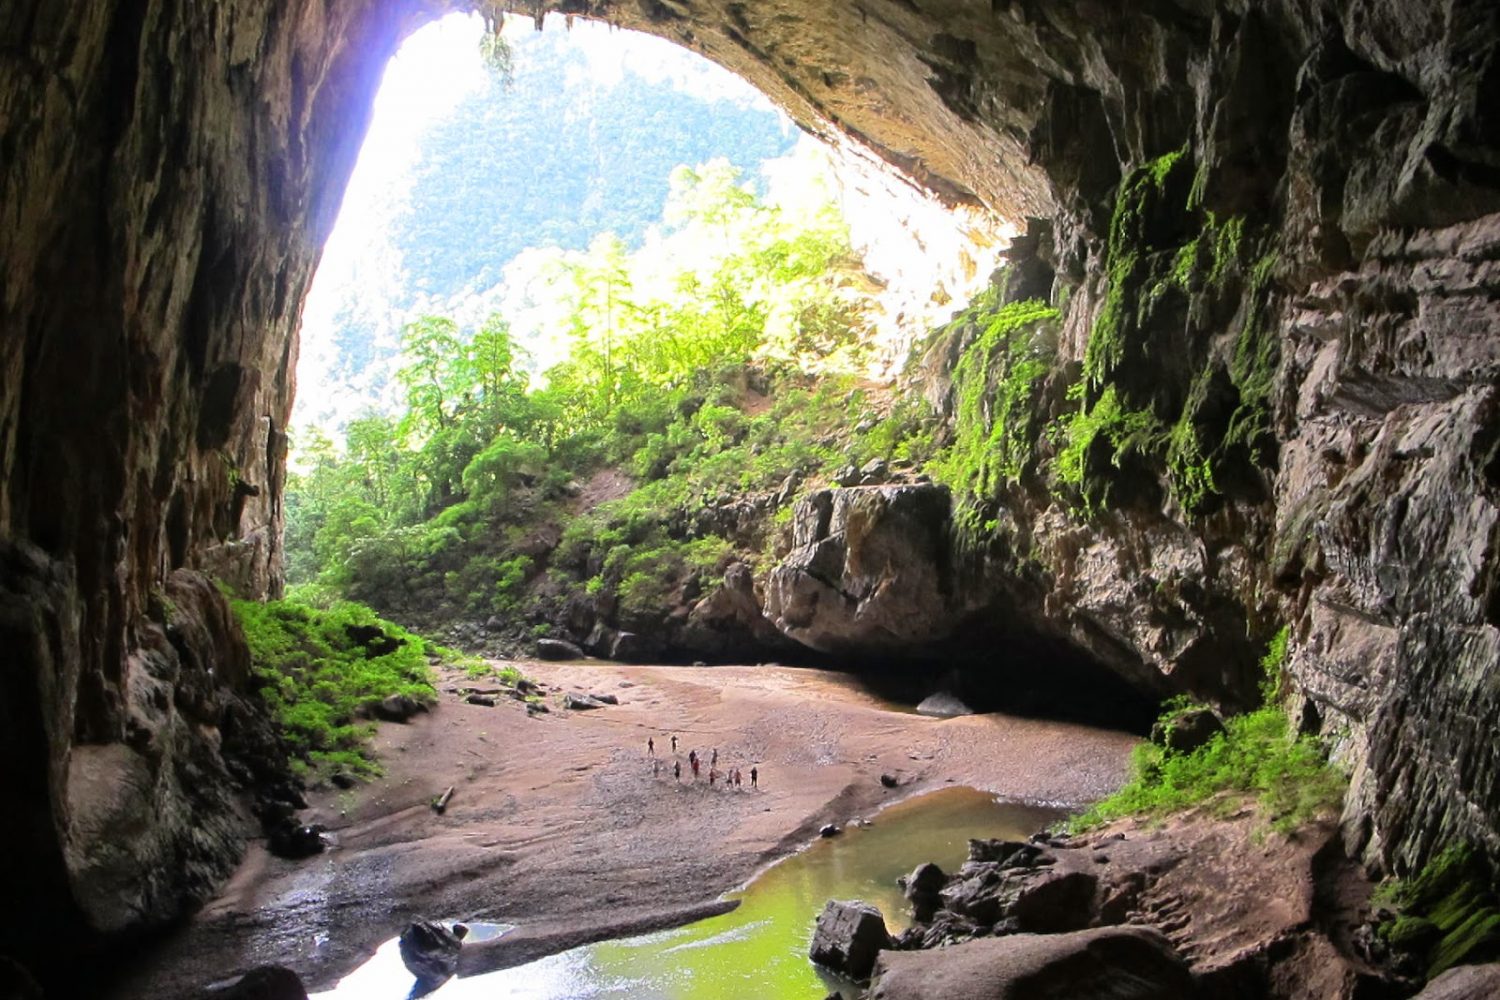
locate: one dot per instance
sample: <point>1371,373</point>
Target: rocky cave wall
<point>170,169</point>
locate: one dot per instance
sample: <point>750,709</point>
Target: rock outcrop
<point>868,571</point>
<point>1111,963</point>
<point>1271,232</point>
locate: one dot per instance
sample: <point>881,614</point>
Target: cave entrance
<point>592,310</point>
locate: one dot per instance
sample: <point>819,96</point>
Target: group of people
<point>733,777</point>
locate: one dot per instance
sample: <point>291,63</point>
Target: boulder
<point>266,982</point>
<point>889,780</point>
<point>373,639</point>
<point>604,699</point>
<point>581,702</point>
<point>293,841</point>
<point>430,950</point>
<point>830,830</point>
<point>923,888</point>
<point>869,571</point>
<point>630,647</point>
<point>847,938</point>
<point>1186,731</point>
<point>557,649</point>
<point>1466,982</point>
<point>480,699</point>
<point>943,705</point>
<point>396,708</point>
<point>1053,902</point>
<point>1112,963</point>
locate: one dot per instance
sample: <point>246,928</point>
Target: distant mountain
<point>582,140</point>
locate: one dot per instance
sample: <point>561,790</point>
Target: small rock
<point>830,830</point>
<point>296,842</point>
<point>537,708</point>
<point>343,779</point>
<point>266,982</point>
<point>1187,730</point>
<point>481,699</point>
<point>430,951</point>
<point>943,705</point>
<point>606,699</point>
<point>847,938</point>
<point>396,708</point>
<point>494,624</point>
<point>889,780</point>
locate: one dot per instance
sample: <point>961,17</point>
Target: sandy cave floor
<point>558,825</point>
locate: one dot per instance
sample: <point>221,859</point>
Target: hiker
<point>715,761</point>
<point>674,742</point>
<point>737,782</point>
<point>693,757</point>
<point>650,746</point>
<point>713,775</point>
<point>694,762</point>
<point>754,777</point>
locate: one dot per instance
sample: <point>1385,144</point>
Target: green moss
<point>319,679</point>
<point>1145,194</point>
<point>1257,754</point>
<point>1094,443</point>
<point>1449,914</point>
<point>995,382</point>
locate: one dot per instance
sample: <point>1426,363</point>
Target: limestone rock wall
<point>168,172</point>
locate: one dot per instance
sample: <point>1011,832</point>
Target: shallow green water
<point>758,950</point>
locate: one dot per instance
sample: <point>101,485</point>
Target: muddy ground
<point>560,823</point>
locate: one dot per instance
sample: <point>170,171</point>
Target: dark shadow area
<point>1019,674</point>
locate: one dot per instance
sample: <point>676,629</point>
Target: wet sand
<point>557,823</point>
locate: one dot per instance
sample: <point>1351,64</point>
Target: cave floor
<point>558,824</point>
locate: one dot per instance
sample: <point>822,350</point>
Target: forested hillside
<point>580,138</point>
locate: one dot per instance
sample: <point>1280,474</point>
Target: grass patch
<point>322,670</point>
<point>1256,755</point>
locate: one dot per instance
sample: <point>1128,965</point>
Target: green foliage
<point>1131,238</point>
<point>994,384</point>
<point>1257,754</point>
<point>320,679</point>
<point>1448,912</point>
<point>1094,443</point>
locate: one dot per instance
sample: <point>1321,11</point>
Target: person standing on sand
<point>714,761</point>
<point>674,742</point>
<point>677,770</point>
<point>713,775</point>
<point>754,777</point>
<point>694,762</point>
<point>650,746</point>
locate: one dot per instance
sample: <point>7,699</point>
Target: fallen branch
<point>440,804</point>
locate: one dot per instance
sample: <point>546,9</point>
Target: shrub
<point>1257,754</point>
<point>320,670</point>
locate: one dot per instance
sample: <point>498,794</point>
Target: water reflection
<point>759,949</point>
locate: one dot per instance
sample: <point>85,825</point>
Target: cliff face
<point>169,172</point>
<point>1270,228</point>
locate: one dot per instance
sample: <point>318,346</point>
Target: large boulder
<point>430,950</point>
<point>847,938</point>
<point>868,571</point>
<point>1112,963</point>
<point>1467,982</point>
<point>557,649</point>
